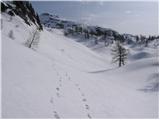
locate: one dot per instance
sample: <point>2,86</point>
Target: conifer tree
<point>119,54</point>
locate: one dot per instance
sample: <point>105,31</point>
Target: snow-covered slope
<point>61,78</point>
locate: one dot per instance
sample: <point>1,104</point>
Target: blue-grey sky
<point>125,17</point>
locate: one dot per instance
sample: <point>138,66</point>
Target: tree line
<point>107,36</point>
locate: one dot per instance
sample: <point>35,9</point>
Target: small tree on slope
<point>119,54</point>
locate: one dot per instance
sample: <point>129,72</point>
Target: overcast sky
<point>125,17</point>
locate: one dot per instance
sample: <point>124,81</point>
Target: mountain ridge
<point>96,33</point>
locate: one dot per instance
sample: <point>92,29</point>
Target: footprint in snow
<point>87,107</point>
<point>84,100</point>
<point>89,116</point>
<point>57,89</point>
<point>56,115</point>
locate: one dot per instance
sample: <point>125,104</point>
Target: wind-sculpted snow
<point>64,79</point>
<point>141,55</point>
<point>152,84</point>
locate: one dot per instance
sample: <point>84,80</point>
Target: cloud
<point>101,3</point>
<point>128,12</point>
<point>88,18</point>
<point>86,2</point>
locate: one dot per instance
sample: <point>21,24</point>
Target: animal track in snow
<point>84,100</point>
<point>87,107</point>
<point>57,89</point>
<point>56,115</point>
<point>54,111</point>
<point>89,116</point>
<point>82,95</point>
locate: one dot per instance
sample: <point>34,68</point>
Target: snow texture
<point>61,78</point>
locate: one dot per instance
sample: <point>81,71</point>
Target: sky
<point>125,17</point>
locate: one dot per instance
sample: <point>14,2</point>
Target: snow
<point>62,78</point>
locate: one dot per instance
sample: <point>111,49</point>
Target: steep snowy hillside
<point>50,73</point>
<point>24,10</point>
<point>60,78</point>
